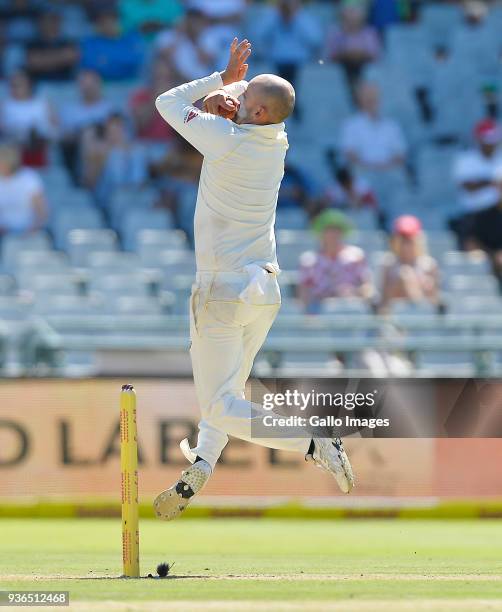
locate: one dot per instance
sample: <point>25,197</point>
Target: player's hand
<point>222,104</point>
<point>237,68</point>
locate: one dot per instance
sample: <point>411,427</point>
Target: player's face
<point>250,105</point>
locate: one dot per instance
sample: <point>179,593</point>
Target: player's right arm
<point>213,136</point>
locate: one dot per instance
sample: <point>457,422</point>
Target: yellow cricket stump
<point>129,470</point>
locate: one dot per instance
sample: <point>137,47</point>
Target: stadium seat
<point>134,284</point>
<point>472,285</point>
<point>124,200</point>
<point>345,306</point>
<point>473,263</point>
<point>475,304</point>
<point>82,242</point>
<point>405,307</point>
<point>51,305</point>
<point>13,244</point>
<point>112,262</point>
<point>35,261</point>
<point>15,308</point>
<point>7,285</point>
<point>139,219</point>
<point>133,305</point>
<point>58,283</point>
<point>291,218</point>
<point>70,218</point>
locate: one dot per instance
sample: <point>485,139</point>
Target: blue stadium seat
<point>291,218</point>
<point>74,217</point>
<point>135,220</point>
<point>81,242</point>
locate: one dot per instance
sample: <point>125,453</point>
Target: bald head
<point>268,99</point>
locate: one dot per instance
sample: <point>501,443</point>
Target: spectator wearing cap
<point>408,272</point>
<point>22,202</point>
<point>338,269</point>
<point>478,175</point>
<point>109,52</point>
<point>51,56</point>
<point>353,43</point>
<point>292,37</point>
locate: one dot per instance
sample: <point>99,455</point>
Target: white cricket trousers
<point>226,334</point>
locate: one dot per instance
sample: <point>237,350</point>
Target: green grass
<point>347,560</point>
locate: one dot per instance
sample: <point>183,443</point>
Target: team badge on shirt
<point>191,114</point>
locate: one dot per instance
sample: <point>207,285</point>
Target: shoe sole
<point>168,505</point>
<point>346,480</point>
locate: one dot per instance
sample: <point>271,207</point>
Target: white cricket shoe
<point>330,455</point>
<point>171,503</point>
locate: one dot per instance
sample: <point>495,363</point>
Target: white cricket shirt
<point>240,178</point>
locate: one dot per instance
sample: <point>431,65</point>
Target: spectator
<point>177,175</point>
<point>478,174</point>
<point>370,141</point>
<point>113,55</point>
<point>475,13</point>
<point>409,273</point>
<point>296,189</point>
<point>17,19</point>
<point>148,123</point>
<point>338,270</point>
<point>22,202</point>
<point>27,118</point>
<point>51,57</point>
<point>111,159</point>
<point>149,16</point>
<point>90,109</point>
<point>349,192</point>
<point>190,47</point>
<point>292,36</point>
<point>354,43</point>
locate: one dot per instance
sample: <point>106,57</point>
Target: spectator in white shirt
<point>191,48</point>
<point>292,36</point>
<point>27,118</point>
<point>22,202</point>
<point>369,140</point>
<point>478,175</point>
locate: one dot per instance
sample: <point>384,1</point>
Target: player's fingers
<point>242,46</point>
<point>233,46</point>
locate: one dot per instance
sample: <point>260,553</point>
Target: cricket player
<point>236,296</point>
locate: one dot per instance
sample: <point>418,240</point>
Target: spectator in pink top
<point>354,43</point>
<point>338,269</point>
